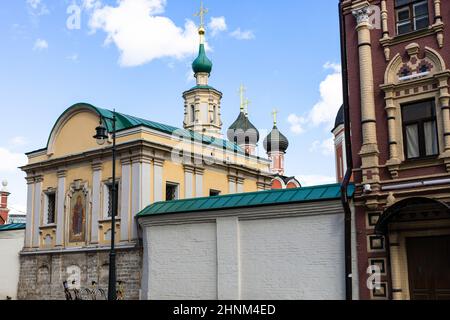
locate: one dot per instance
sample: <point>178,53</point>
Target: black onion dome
<point>339,118</point>
<point>242,131</point>
<point>276,141</point>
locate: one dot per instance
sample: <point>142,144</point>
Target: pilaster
<point>232,180</point>
<point>37,209</point>
<point>199,172</point>
<point>188,181</point>
<point>97,169</point>
<point>125,198</point>
<point>60,198</point>
<point>158,171</point>
<point>369,152</point>
<point>30,201</point>
<point>240,184</point>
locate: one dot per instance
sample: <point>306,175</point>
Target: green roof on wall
<point>262,198</point>
<point>13,226</point>
<point>125,122</point>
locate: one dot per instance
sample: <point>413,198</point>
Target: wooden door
<point>429,268</point>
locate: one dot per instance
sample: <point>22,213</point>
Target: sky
<point>136,55</point>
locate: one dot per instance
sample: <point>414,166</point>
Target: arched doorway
<point>417,232</point>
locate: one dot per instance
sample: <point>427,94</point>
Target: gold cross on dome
<point>275,113</point>
<point>201,14</point>
<point>246,104</point>
<point>242,91</point>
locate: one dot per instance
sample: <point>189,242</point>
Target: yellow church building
<point>69,210</point>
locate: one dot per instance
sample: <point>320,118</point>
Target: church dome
<point>276,141</point>
<point>202,64</point>
<point>243,131</point>
<point>339,118</point>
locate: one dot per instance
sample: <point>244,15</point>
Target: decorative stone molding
<point>199,171</point>
<point>30,179</point>
<point>423,75</point>
<point>158,162</point>
<point>188,168</point>
<point>362,15</point>
<point>97,165</point>
<point>61,173</point>
<point>390,199</point>
<point>48,236</point>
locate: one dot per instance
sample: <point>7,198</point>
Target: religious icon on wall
<point>77,230</point>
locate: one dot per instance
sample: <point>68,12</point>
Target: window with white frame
<point>108,199</point>
<point>172,190</point>
<point>50,208</point>
<point>411,15</point>
<point>214,193</point>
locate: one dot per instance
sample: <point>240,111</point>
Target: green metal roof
<point>207,87</point>
<point>13,226</point>
<point>125,122</point>
<point>262,198</point>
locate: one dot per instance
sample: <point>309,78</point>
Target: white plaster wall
<point>182,262</point>
<point>293,258</point>
<point>11,243</point>
<point>289,257</point>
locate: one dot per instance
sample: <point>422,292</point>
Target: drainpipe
<point>348,149</point>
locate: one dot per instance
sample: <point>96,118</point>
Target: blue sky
<point>135,56</point>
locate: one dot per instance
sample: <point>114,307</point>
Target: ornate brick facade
<point>388,70</point>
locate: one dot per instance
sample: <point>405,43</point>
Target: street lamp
<point>102,136</point>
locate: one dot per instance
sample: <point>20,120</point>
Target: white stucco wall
<point>183,263</point>
<point>11,243</point>
<point>283,253</point>
<point>293,258</point>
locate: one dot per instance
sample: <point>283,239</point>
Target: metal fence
<point>92,293</point>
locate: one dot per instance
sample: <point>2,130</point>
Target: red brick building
<point>398,54</point>
<point>4,211</point>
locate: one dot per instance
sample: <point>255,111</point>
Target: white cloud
<point>10,161</point>
<point>73,57</point>
<point>217,25</point>
<point>325,110</point>
<point>141,34</point>
<point>326,147</point>
<point>40,44</point>
<point>309,180</point>
<point>296,123</point>
<point>91,4</point>
<point>243,35</point>
<point>18,141</point>
<point>37,7</point>
<point>190,76</point>
<point>334,66</point>
<point>9,171</point>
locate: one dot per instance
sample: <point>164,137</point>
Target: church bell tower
<point>202,102</point>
